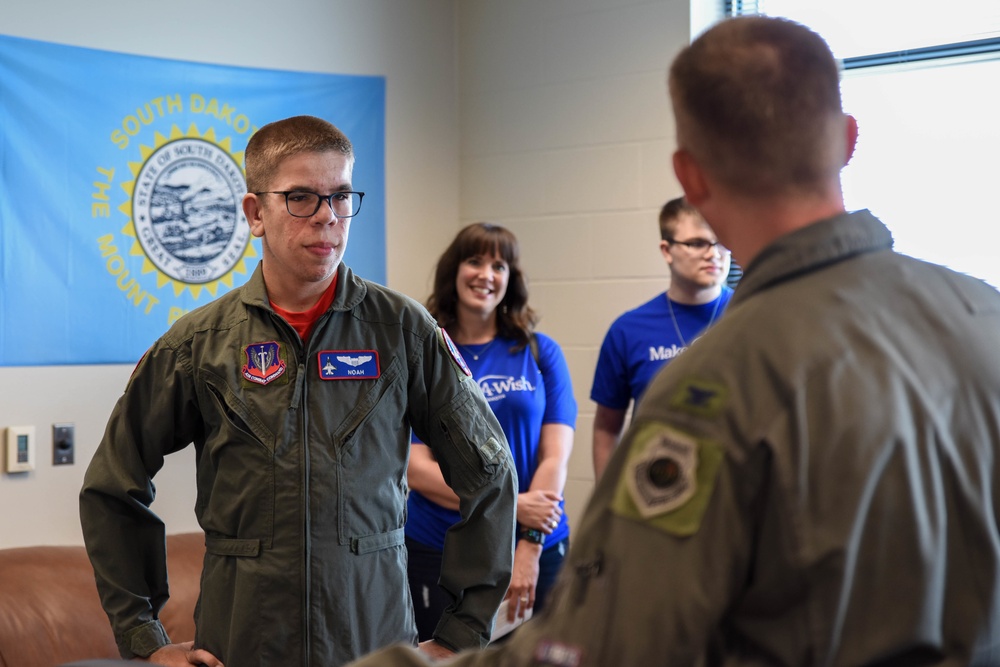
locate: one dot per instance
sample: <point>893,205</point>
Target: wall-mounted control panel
<point>20,443</point>
<point>63,444</point>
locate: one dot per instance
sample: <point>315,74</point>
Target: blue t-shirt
<point>641,341</point>
<point>523,397</point>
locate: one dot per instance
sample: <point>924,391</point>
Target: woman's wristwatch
<point>533,536</point>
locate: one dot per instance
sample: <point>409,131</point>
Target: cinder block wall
<point>566,139</point>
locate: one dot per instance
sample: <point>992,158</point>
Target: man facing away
<point>642,340</point>
<point>299,390</point>
<point>816,481</point>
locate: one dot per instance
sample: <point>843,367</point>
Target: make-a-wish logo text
<point>496,387</point>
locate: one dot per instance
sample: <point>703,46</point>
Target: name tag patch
<point>349,365</point>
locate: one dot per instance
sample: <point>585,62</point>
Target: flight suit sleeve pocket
<point>228,546</point>
<point>370,543</point>
<point>475,448</point>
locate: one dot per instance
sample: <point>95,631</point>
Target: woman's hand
<point>521,593</point>
<point>539,509</point>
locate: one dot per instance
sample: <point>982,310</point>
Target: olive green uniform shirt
<point>815,482</point>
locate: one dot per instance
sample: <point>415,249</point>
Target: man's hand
<point>182,655</point>
<point>435,651</point>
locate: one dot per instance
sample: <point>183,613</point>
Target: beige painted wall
<point>566,139</point>
<point>549,116</point>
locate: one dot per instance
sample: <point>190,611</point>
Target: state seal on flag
<point>186,213</point>
<point>186,208</point>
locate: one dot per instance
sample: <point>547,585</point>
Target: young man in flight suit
<point>299,390</point>
<point>816,481</point>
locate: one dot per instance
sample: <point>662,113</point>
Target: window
<point>923,88</point>
<point>855,28</point>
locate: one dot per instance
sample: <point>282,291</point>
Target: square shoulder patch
<point>668,479</point>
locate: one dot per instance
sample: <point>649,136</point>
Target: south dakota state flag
<point>121,180</point>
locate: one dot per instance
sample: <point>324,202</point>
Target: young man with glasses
<point>299,390</point>
<point>642,340</point>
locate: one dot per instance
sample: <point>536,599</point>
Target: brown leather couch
<point>50,613</point>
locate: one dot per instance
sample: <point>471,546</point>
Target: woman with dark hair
<point>481,299</point>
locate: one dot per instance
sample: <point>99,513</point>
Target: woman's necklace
<point>467,350</point>
<point>677,329</point>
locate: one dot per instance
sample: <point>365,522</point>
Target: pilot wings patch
<point>348,365</point>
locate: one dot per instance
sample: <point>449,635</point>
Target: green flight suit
<point>813,482</point>
<point>301,478</point>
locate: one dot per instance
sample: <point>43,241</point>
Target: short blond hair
<point>275,141</point>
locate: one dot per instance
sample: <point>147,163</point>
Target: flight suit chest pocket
<point>378,412</point>
<point>372,444</point>
<point>236,467</point>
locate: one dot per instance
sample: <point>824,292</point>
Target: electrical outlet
<point>63,444</point>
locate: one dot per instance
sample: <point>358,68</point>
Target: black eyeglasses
<point>701,245</point>
<point>302,204</point>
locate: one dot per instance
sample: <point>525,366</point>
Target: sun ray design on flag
<point>184,213</point>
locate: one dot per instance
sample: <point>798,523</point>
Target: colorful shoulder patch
<point>668,479</point>
<point>453,352</point>
<point>264,362</point>
<point>348,365</point>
